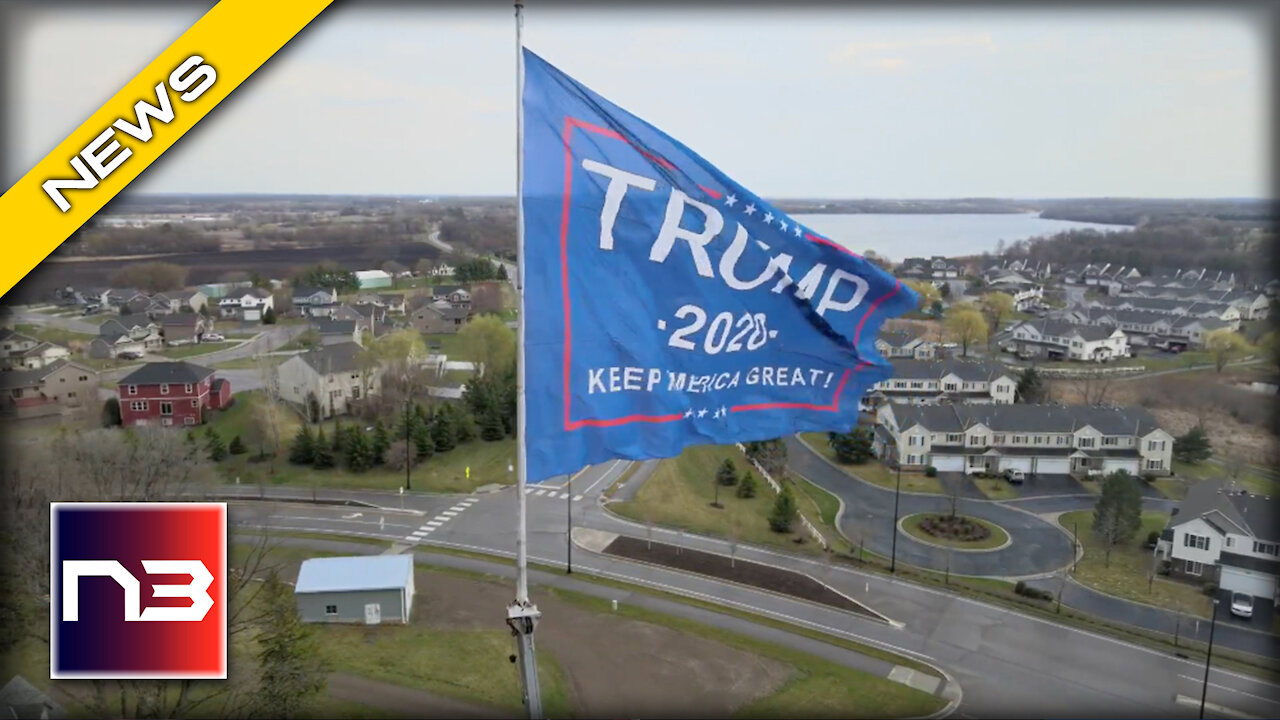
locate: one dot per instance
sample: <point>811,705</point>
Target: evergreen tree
<point>215,445</point>
<point>379,443</point>
<point>852,448</point>
<point>747,488</point>
<point>423,442</point>
<point>466,427</point>
<point>359,451</point>
<point>491,426</point>
<point>322,457</point>
<point>291,670</point>
<point>444,432</point>
<point>237,446</point>
<point>784,511</point>
<point>302,451</point>
<point>269,317</point>
<point>1193,446</point>
<point>727,474</point>
<point>1118,512</point>
<point>339,438</point>
<point>1031,388</point>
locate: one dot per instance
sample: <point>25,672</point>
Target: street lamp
<point>897,489</point>
<point>568,518</point>
<point>1204,691</point>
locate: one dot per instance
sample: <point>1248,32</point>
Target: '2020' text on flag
<point>668,306</point>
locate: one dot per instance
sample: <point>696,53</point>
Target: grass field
<point>873,471</point>
<point>1250,478</point>
<point>449,344</point>
<point>998,537</point>
<point>1129,573</point>
<point>680,492</point>
<point>249,363</point>
<point>196,349</point>
<point>58,336</point>
<point>995,488</point>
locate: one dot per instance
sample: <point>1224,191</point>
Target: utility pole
<point>897,490</point>
<point>407,482</point>
<point>1204,691</point>
<point>568,518</point>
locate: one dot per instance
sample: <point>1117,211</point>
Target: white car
<point>179,342</point>
<point>212,337</point>
<point>1241,605</point>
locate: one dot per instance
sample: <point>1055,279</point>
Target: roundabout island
<point>955,531</point>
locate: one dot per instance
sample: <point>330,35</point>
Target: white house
<point>1036,439</point>
<point>1055,339</point>
<point>905,344</point>
<point>1224,534</point>
<point>325,380</point>
<point>443,270</point>
<point>22,352</point>
<point>926,382</point>
<point>247,305</point>
<point>314,302</point>
<point>1024,299</point>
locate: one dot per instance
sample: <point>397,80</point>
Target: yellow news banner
<point>147,116</point>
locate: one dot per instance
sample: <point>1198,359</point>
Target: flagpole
<point>522,614</point>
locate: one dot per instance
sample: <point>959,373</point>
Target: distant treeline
<point>488,232</point>
<point>1119,211</point>
<point>1170,244</point>
<point>99,242</point>
<point>922,207</point>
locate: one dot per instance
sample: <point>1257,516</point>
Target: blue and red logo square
<point>138,591</point>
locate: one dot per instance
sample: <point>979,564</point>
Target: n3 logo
<point>196,590</point>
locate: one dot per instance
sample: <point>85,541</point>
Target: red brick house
<point>170,393</point>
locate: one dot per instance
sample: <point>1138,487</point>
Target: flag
<point>665,305</point>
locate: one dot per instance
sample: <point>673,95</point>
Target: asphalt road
<point>1006,663</point>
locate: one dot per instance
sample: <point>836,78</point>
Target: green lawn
<point>1250,478</point>
<point>55,335</point>
<point>873,471</point>
<point>680,492</point>
<point>250,363</point>
<point>998,537</point>
<point>1129,573</point>
<point>196,349</point>
<point>995,488</point>
<point>450,344</point>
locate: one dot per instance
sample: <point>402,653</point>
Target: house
<point>1079,440</point>
<point>1059,340</point>
<point>1220,533</point>
<point>170,393</point>
<point>21,700</point>
<point>374,314</point>
<point>314,302</point>
<point>118,297</point>
<point>905,343</point>
<point>23,352</point>
<point>1026,299</point>
<point>327,379</point>
<point>368,589</point>
<point>340,331</point>
<point>438,318</point>
<point>442,292</point>
<point>92,296</point>
<point>934,268</point>
<point>182,300</point>
<point>442,270</point>
<point>393,302</point>
<point>217,291</point>
<point>928,382</point>
<point>127,333</point>
<point>185,326</point>
<point>247,305</point>
<point>1007,281</point>
<point>369,279</point>
<point>1170,306</point>
<point>47,390</point>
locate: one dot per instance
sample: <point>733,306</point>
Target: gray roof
<point>325,326</point>
<point>1208,324</point>
<point>10,379</point>
<point>339,357</point>
<point>1061,328</point>
<point>898,338</point>
<point>971,370</point>
<point>1027,418</point>
<point>1247,511</point>
<point>37,349</point>
<point>7,333</point>
<point>346,574</point>
<point>172,373</point>
<point>1249,562</point>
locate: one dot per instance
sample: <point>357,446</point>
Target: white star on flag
<point>716,415</point>
<point>782,225</point>
<point>724,411</point>
<point>768,218</point>
<point>730,200</point>
<point>797,229</point>
<point>750,210</point>
<point>702,412</point>
<point>688,413</point>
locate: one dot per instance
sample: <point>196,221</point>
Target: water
<point>921,235</point>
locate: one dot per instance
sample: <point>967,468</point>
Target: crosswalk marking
<point>448,513</point>
<point>433,523</point>
<point>577,498</point>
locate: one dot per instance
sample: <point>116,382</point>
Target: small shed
<point>369,279</point>
<point>368,589</point>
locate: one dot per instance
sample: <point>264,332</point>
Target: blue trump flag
<point>668,306</point>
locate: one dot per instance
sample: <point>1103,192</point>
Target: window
<point>997,439</point>
<point>138,405</point>
<point>71,394</point>
<point>166,408</point>
<point>1155,445</point>
<point>1199,542</point>
<point>1265,548</point>
<point>1192,567</point>
<point>1039,439</point>
<point>1062,439</point>
<point>1231,541</point>
<point>955,437</point>
<point>979,440</point>
<point>164,388</point>
<point>1086,442</point>
<point>195,403</point>
<point>84,378</point>
<point>188,420</point>
<point>1155,464</point>
<point>330,609</point>
<point>949,387</point>
<point>187,388</point>
<point>1110,441</point>
<point>133,389</point>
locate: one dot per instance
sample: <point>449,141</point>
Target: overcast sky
<point>823,102</point>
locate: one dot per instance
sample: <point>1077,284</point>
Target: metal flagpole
<point>522,615</point>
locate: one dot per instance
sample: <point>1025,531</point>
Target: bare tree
<point>1093,388</point>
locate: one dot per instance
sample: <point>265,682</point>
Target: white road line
<point>529,490</point>
<point>449,513</point>
<point>1200,681</point>
<point>433,523</point>
<point>539,491</point>
<point>564,496</point>
<point>577,498</point>
<point>458,508</point>
<point>616,464</point>
<point>417,533</point>
<point>440,519</point>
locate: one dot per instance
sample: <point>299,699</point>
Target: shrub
<point>784,512</point>
<point>747,488</point>
<point>395,455</point>
<point>1152,538</point>
<point>237,446</point>
<point>1020,588</point>
<point>931,471</point>
<point>1210,589</point>
<point>727,474</point>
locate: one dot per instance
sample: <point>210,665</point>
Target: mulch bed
<point>741,571</point>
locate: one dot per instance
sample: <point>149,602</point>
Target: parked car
<point>130,355</point>
<point>179,342</point>
<point>212,337</point>
<point>1241,605</point>
<point>1014,476</point>
<point>91,309</point>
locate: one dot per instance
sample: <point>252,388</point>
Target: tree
<point>945,291</point>
<point>487,298</point>
<point>379,443</point>
<point>308,339</point>
<point>237,446</point>
<point>784,511</point>
<point>1225,345</point>
<point>302,450</point>
<point>998,306</point>
<point>396,456</point>
<point>747,487</point>
<point>964,324</point>
<point>111,413</point>
<point>282,301</point>
<point>1118,512</point>
<point>770,454</point>
<point>727,474</point>
<point>323,456</point>
<point>328,276</point>
<point>359,450</point>
<point>852,448</point>
<point>291,667</point>
<point>269,317</point>
<point>1093,389</point>
<point>491,426</point>
<point>1192,446</point>
<point>424,267</point>
<point>444,429</point>
<point>423,440</point>
<point>1031,387</point>
<point>490,342</point>
<point>926,290</point>
<point>214,444</point>
<point>151,276</point>
<point>936,308</point>
<point>393,268</point>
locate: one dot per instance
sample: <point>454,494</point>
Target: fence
<point>777,488</point>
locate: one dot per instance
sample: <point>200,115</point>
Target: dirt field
<point>667,673</point>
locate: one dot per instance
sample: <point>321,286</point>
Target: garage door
<point>948,463</point>
<point>1057,466</point>
<point>1016,463</point>
<point>1111,465</point>
<point>1244,581</point>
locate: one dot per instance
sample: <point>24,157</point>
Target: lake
<point>921,235</point>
